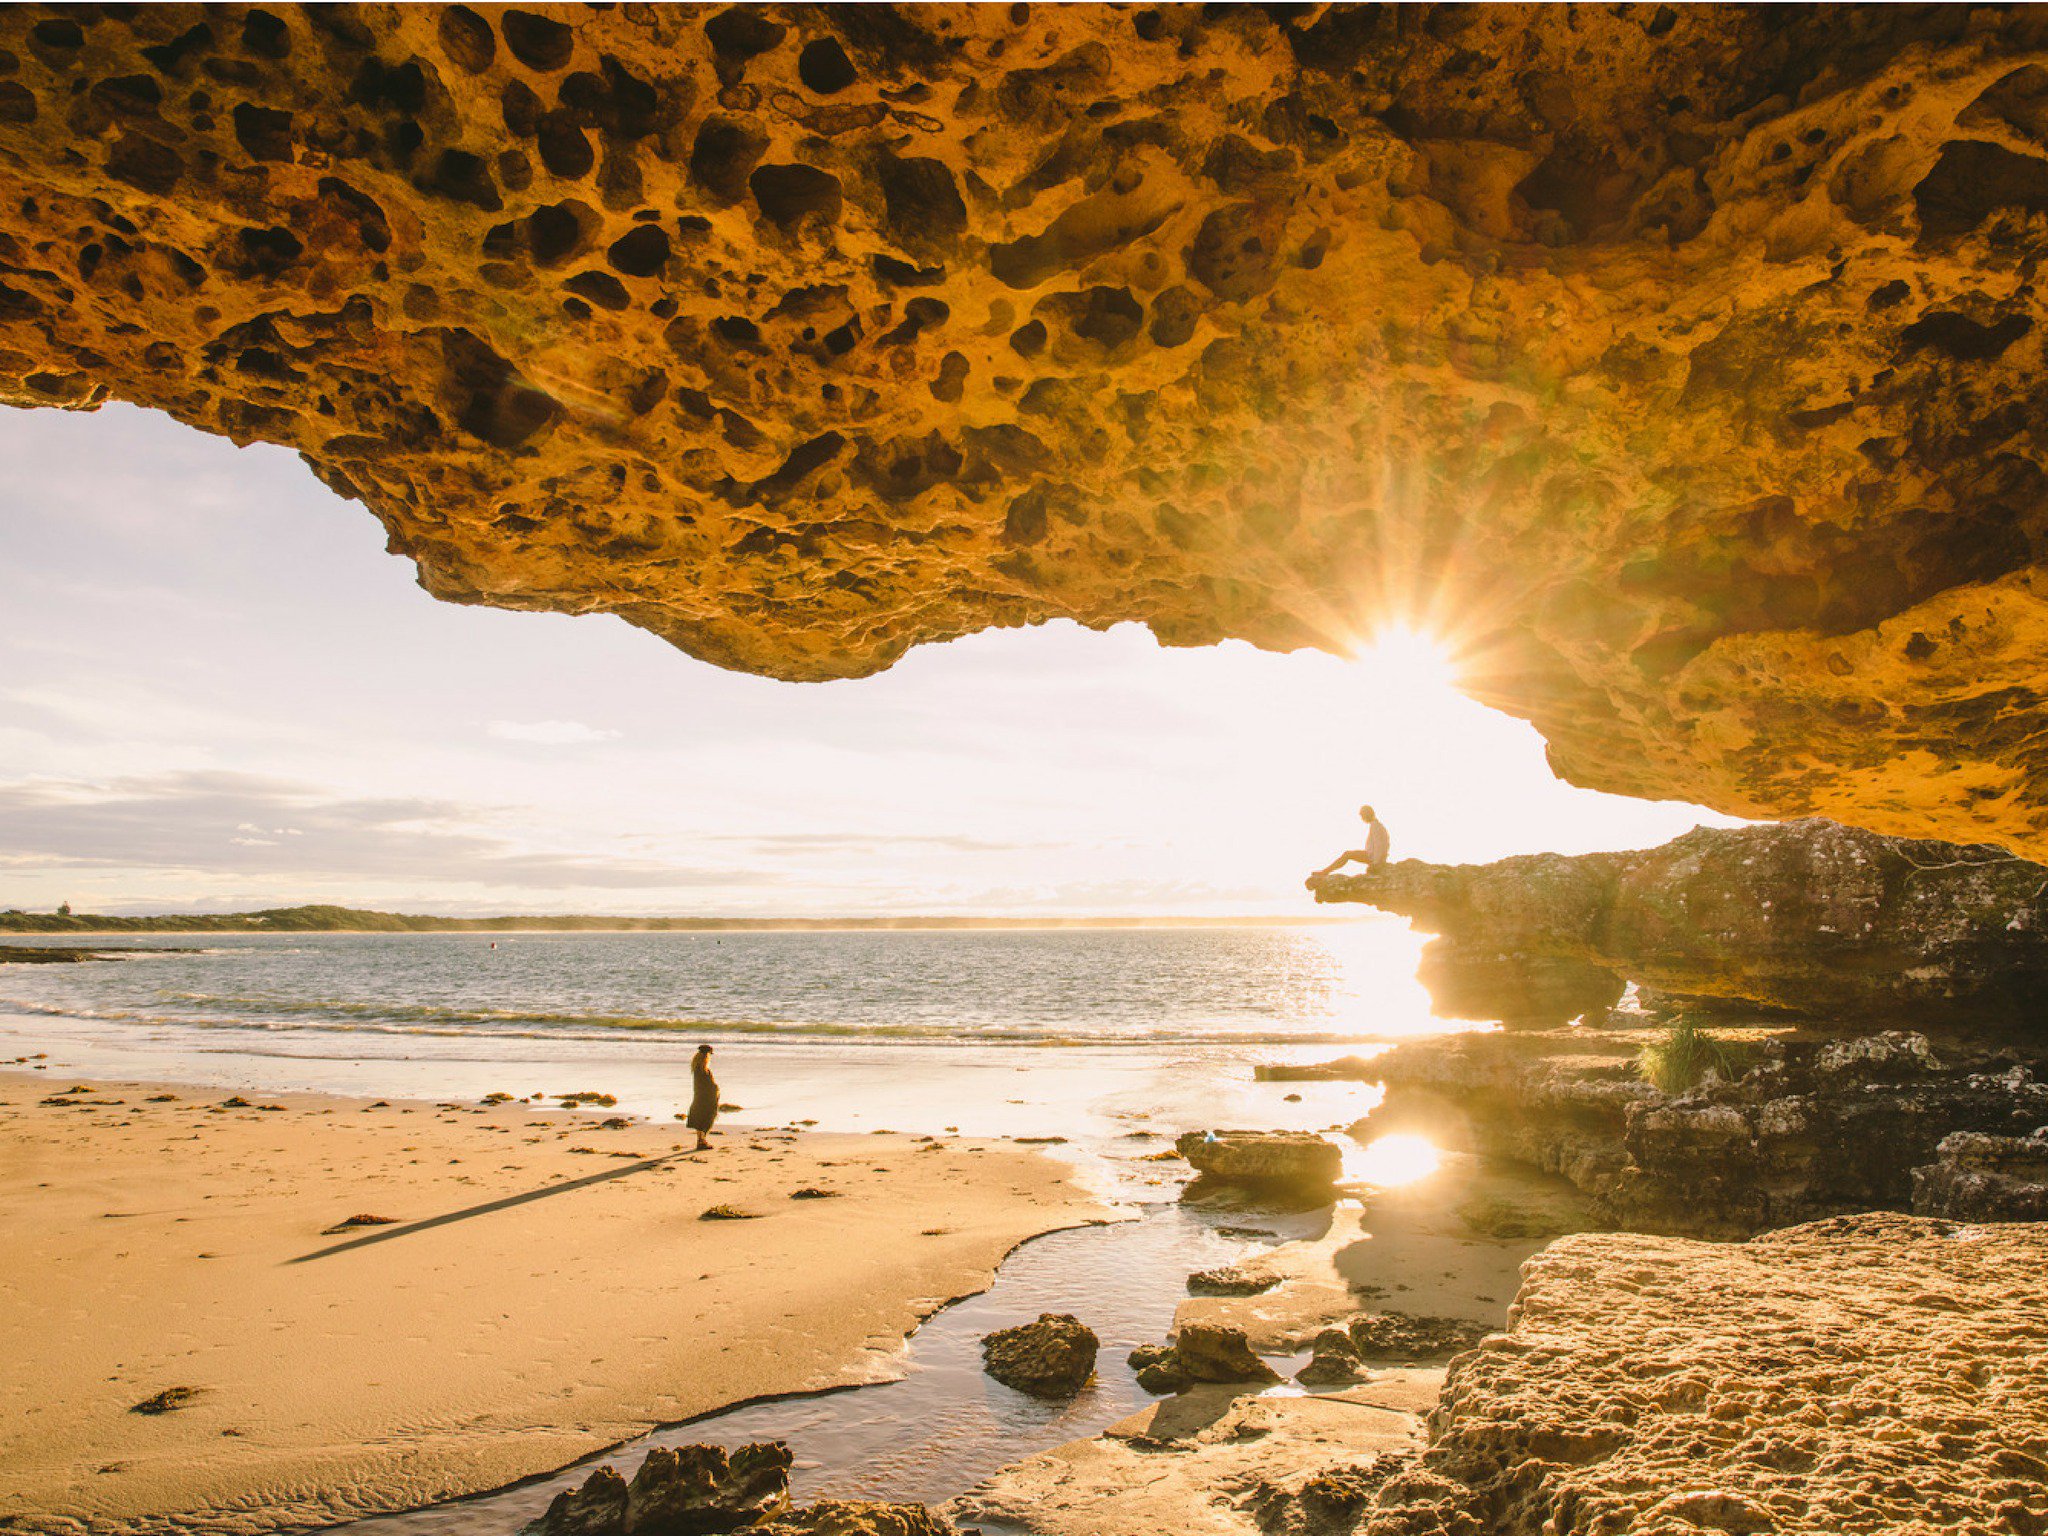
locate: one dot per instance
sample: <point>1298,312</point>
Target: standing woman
<point>703,1097</point>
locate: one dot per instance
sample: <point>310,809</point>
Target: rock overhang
<point>1681,363</point>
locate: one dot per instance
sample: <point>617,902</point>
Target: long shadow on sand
<point>487,1208</point>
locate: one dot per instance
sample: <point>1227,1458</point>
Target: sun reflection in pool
<point>1400,1158</point>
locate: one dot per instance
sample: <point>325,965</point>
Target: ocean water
<point>1035,987</point>
<point>1087,1034</point>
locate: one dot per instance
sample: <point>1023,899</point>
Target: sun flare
<point>1405,659</point>
<point>1388,1161</point>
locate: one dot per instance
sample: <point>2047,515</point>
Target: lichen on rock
<point>1682,361</point>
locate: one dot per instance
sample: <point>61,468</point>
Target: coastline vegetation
<point>1684,1056</point>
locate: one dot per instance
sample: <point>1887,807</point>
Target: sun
<point>1400,660</point>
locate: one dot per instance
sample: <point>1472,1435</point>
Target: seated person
<point>1373,855</point>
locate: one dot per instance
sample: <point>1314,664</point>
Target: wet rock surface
<point>1816,919</point>
<point>1053,1357</point>
<point>1814,1127</point>
<point>1699,340</point>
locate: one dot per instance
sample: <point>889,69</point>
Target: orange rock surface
<point>1862,1375</point>
<point>1681,363</point>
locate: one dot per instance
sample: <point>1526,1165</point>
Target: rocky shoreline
<point>1864,1137</point>
<point>1866,1003</point>
<point>1816,1127</point>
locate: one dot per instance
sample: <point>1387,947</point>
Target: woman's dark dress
<point>703,1099</point>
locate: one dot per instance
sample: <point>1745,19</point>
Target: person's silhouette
<point>1373,855</point>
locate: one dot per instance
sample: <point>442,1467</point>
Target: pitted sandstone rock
<point>1799,1383</point>
<point>1685,360</point>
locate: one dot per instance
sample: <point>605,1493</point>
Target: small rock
<point>1400,1336</point>
<point>1053,1357</point>
<point>811,1192</point>
<point>1215,1352</point>
<point>167,1401</point>
<point>726,1213</point>
<point>1158,1368</point>
<point>1334,1362</point>
<point>360,1219</point>
<point>1230,1281</point>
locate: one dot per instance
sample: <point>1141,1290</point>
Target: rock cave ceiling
<point>1681,363</point>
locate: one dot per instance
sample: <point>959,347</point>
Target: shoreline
<point>409,1366</point>
<point>487,927</point>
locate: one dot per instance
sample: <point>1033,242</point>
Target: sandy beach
<point>544,1286</point>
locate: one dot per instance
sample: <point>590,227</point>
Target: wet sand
<point>545,1287</point>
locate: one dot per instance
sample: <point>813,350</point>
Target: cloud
<point>203,821</point>
<point>866,842</point>
<point>549,733</point>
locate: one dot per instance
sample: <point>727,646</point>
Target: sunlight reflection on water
<point>1391,1161</point>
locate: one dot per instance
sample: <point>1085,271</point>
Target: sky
<point>218,692</point>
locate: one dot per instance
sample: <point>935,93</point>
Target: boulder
<point>1053,1357</point>
<point>1218,1353</point>
<point>1200,1352</point>
<point>695,1489</point>
<point>687,1490</point>
<point>1333,1361</point>
<point>1292,1162</point>
<point>1804,918</point>
<point>596,1508</point>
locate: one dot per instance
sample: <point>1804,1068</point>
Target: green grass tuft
<point>1683,1058</point>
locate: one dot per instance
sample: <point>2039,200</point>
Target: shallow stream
<point>944,1425</point>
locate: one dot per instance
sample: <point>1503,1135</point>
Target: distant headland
<point>331,919</point>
